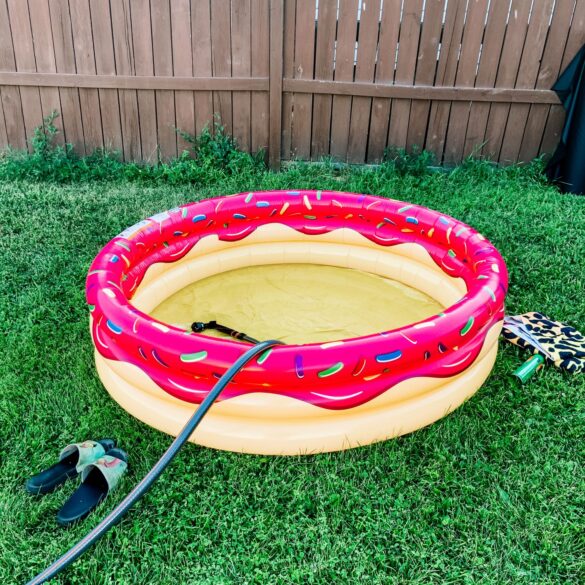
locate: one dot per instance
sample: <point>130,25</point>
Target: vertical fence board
<point>242,67</point>
<point>344,66</point>
<point>446,72</point>
<point>364,71</point>
<point>380,115</point>
<point>486,74</point>
<point>25,61</point>
<point>506,77</point>
<point>405,71</point>
<point>288,70</point>
<point>201,47</point>
<point>101,21</point>
<point>276,56</point>
<point>303,69</point>
<point>124,57</point>
<point>13,118</point>
<point>549,71</point>
<point>527,77</point>
<point>163,65</point>
<point>10,96</point>
<point>260,68</point>
<point>144,65</point>
<point>466,70</point>
<point>326,26</point>
<point>45,60</point>
<point>65,63</point>
<point>556,117</point>
<point>221,58</point>
<point>3,132</point>
<point>183,67</point>
<point>85,63</point>
<point>425,72</point>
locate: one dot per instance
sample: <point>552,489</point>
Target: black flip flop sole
<point>88,495</point>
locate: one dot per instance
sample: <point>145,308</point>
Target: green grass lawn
<point>493,493</point>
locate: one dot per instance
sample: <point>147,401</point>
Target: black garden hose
<point>115,515</point>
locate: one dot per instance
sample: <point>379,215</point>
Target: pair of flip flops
<point>101,466</point>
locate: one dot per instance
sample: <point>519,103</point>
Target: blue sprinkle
<point>444,220</point>
<point>239,216</point>
<point>411,219</point>
<point>114,258</point>
<point>262,204</point>
<point>177,233</point>
<point>113,327</point>
<point>389,357</point>
<point>293,192</point>
<point>199,217</point>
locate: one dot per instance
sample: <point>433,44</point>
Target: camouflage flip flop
<point>99,478</point>
<point>72,460</point>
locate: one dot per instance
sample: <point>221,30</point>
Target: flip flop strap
<point>110,467</point>
<point>88,451</point>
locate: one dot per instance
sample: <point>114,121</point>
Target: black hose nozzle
<point>199,327</point>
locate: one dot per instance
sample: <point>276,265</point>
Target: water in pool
<point>298,303</point>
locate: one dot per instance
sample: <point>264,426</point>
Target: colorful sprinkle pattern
<point>336,375</point>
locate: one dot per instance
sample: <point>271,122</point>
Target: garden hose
<point>113,517</point>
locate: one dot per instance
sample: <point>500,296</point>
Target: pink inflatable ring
<point>297,398</point>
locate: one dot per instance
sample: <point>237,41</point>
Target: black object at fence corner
<point>567,165</point>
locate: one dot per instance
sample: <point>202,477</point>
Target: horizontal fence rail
<point>298,78</point>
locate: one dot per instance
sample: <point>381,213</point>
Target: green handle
<point>529,367</point>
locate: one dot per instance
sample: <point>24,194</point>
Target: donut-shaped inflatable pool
<point>297,398</point>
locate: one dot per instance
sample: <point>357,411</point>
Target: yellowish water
<point>298,303</point>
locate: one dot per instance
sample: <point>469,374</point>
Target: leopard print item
<point>560,344</point>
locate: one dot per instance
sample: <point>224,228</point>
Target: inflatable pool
<point>308,397</point>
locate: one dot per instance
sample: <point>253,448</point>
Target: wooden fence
<point>301,78</point>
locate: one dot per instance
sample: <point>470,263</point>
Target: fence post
<point>275,85</point>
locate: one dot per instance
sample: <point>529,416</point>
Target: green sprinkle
<point>332,370</point>
<point>189,358</point>
<point>380,225</point>
<point>467,327</point>
<point>482,277</point>
<point>402,209</point>
<point>263,357</point>
<point>249,197</point>
<point>310,216</point>
<point>319,195</point>
<point>452,254</point>
<point>91,308</point>
<point>184,212</point>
